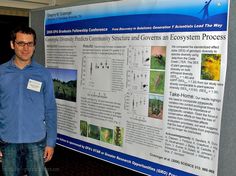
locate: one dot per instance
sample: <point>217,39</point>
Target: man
<point>27,109</point>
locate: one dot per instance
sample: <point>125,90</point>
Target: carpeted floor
<point>70,163</point>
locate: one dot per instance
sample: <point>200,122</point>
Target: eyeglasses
<point>22,44</point>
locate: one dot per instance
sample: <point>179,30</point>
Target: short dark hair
<point>24,30</point>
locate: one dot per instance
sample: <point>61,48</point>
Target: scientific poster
<point>140,83</point>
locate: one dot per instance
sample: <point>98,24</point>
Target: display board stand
<point>227,150</point>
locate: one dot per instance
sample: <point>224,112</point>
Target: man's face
<point>23,46</point>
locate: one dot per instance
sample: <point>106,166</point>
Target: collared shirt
<point>27,104</point>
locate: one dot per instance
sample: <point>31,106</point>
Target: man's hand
<point>48,153</point>
<point>0,154</point>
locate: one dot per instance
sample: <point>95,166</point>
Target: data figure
<point>138,80</point>
<point>139,104</point>
<point>139,56</point>
<point>96,73</point>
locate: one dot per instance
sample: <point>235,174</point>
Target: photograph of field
<point>107,135</point>
<point>157,82</point>
<point>155,107</point>
<point>158,57</point>
<point>210,67</point>
<point>65,83</point>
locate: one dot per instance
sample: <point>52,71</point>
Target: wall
<point>227,153</point>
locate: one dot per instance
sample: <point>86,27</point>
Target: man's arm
<point>50,119</point>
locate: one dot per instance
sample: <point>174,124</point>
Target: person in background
<point>28,116</point>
